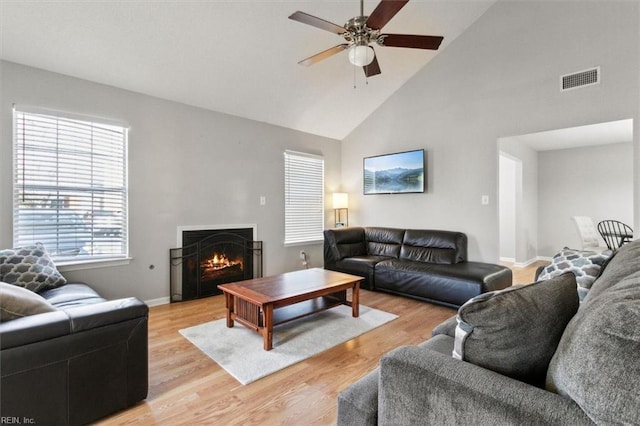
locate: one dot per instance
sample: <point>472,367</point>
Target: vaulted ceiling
<point>235,57</point>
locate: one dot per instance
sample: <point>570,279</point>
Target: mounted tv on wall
<point>398,173</point>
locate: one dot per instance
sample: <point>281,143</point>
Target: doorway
<point>510,178</point>
<point>548,177</point>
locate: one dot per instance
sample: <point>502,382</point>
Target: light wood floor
<point>187,387</point>
<point>525,275</point>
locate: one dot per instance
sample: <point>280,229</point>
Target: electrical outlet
<point>303,255</point>
<point>485,200</point>
<point>263,200</point>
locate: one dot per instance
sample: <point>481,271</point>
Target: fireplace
<point>210,256</point>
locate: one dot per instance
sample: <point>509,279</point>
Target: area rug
<point>239,350</point>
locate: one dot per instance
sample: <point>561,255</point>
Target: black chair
<point>615,233</point>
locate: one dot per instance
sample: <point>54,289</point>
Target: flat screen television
<point>398,173</point>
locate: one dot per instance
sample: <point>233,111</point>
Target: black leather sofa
<point>429,265</point>
<point>83,361</point>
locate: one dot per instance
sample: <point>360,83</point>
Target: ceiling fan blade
<point>411,41</point>
<point>305,18</point>
<point>323,55</point>
<point>373,68</point>
<point>383,13</point>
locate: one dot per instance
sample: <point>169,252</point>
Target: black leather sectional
<point>429,265</point>
<point>85,360</point>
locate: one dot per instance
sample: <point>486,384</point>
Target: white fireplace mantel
<point>213,227</point>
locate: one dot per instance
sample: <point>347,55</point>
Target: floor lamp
<point>341,202</point>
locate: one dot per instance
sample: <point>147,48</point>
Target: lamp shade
<point>361,55</point>
<point>340,200</point>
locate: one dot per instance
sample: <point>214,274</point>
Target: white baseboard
<point>525,263</point>
<point>531,261</point>
<point>508,259</point>
<point>158,301</point>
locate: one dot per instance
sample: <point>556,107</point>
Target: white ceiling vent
<point>580,79</point>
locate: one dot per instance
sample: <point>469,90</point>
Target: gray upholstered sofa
<point>526,358</point>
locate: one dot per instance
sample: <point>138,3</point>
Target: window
<point>70,185</point>
<point>303,198</point>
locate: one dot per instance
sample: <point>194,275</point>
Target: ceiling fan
<point>361,32</point>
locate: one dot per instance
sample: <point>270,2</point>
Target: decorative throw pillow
<point>17,302</point>
<point>515,331</point>
<point>585,265</point>
<point>30,267</point>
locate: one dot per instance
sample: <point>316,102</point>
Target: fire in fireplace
<point>219,265</point>
<point>210,257</point>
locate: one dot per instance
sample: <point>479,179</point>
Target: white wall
<point>188,166</point>
<point>526,202</point>
<point>592,181</point>
<point>507,206</point>
<point>499,79</point>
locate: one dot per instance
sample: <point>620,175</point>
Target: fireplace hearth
<point>210,257</point>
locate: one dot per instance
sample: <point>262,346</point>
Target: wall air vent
<point>580,79</point>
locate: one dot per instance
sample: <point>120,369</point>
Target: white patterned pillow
<point>585,265</point>
<point>30,267</point>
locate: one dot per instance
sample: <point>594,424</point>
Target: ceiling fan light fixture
<point>361,31</point>
<point>361,55</point>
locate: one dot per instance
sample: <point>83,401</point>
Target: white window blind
<point>70,186</point>
<point>303,198</point>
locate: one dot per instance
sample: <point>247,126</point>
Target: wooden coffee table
<point>262,303</point>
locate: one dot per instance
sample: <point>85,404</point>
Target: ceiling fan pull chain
<point>354,76</point>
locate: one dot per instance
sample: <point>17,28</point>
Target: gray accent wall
<point>190,166</point>
<point>187,166</point>
<point>498,79</point>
